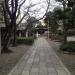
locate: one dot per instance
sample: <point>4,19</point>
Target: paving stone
<point>42,72</point>
<point>25,73</point>
<point>49,65</point>
<point>40,60</point>
<point>52,73</point>
<point>34,73</point>
<point>36,59</point>
<point>58,67</point>
<point>51,69</point>
<point>62,72</point>
<point>30,61</point>
<point>28,67</point>
<point>34,70</point>
<point>43,69</point>
<point>42,64</point>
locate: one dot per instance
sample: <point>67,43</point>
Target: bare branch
<point>20,8</point>
<point>38,11</point>
<point>23,17</point>
<point>7,7</point>
<point>25,14</point>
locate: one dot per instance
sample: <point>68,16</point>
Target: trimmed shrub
<point>70,47</point>
<point>60,33</point>
<point>24,40</point>
<point>70,33</point>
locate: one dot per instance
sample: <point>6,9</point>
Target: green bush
<point>60,33</point>
<point>24,40</point>
<point>70,33</point>
<point>70,47</point>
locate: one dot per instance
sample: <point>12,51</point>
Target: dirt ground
<point>8,61</point>
<point>69,61</point>
<point>66,58</point>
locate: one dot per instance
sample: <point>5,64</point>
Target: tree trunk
<point>65,37</point>
<point>14,33</point>
<point>6,39</point>
<point>64,25</point>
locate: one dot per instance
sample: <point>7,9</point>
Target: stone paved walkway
<point>40,60</point>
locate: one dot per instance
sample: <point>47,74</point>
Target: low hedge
<point>24,40</point>
<point>70,47</point>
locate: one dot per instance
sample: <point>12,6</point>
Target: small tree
<point>51,19</point>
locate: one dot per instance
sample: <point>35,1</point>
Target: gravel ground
<point>8,61</point>
<point>67,59</point>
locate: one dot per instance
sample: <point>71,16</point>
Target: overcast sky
<point>40,8</point>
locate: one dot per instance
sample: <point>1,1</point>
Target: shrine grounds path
<point>41,59</point>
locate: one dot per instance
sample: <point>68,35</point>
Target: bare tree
<point>11,10</point>
<point>27,11</point>
<point>11,14</point>
<point>36,11</point>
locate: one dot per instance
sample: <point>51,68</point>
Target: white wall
<point>71,38</point>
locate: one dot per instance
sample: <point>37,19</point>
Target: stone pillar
<point>37,34</point>
<point>27,34</point>
<point>19,34</point>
